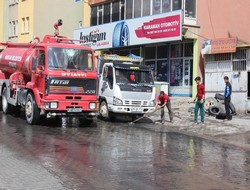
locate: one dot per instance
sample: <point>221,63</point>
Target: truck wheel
<point>5,105</point>
<point>215,110</point>
<point>31,110</point>
<point>104,112</point>
<point>219,96</point>
<point>210,101</point>
<point>121,35</point>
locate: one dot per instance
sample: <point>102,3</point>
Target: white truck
<point>125,87</point>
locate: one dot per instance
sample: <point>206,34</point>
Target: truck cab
<point>125,87</point>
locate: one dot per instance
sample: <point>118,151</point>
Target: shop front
<point>156,38</point>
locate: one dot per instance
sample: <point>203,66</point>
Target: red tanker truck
<point>52,77</point>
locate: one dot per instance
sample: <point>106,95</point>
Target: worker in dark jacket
<point>227,95</point>
<point>163,100</point>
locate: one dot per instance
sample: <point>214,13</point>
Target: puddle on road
<point>115,156</point>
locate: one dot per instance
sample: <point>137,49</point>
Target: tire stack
<point>216,106</point>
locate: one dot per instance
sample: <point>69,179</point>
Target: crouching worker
<point>163,100</point>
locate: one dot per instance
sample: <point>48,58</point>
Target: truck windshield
<point>73,59</point>
<point>133,76</point>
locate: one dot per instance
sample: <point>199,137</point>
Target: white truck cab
<point>125,87</point>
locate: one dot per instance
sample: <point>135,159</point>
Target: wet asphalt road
<point>114,156</point>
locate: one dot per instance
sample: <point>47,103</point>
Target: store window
<point>181,64</point>
<point>125,52</point>
<point>157,58</point>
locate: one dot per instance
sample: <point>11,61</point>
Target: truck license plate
<point>136,109</point>
<point>74,110</point>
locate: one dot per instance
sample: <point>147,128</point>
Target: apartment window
<point>25,25</point>
<point>13,2</point>
<point>10,29</point>
<point>115,11</point>
<point>156,6</point>
<point>13,29</point>
<point>176,4</point>
<point>190,8</point>
<point>122,10</point>
<point>166,6</point>
<point>106,13</point>
<point>137,8</point>
<point>93,19</point>
<point>106,16</point>
<point>129,9</point>
<point>100,14</point>
<point>146,7</point>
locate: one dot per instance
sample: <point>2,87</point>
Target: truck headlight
<point>92,105</point>
<point>117,101</point>
<point>52,105</point>
<point>152,103</point>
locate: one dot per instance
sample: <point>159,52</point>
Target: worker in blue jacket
<point>227,95</point>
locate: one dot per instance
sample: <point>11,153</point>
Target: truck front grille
<point>135,103</point>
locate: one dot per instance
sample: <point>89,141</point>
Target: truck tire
<point>121,35</point>
<point>210,101</point>
<point>221,116</point>
<point>214,110</point>
<point>104,113</point>
<point>31,110</point>
<point>219,96</point>
<point>6,107</point>
<point>232,109</point>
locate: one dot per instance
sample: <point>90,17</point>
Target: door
<point>187,74</point>
<point>38,77</point>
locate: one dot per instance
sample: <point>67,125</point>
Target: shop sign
<point>221,45</point>
<point>145,30</point>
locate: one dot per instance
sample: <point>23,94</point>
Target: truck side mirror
<point>34,62</point>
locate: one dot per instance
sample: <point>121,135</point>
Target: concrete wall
<point>47,12</point>
<point>214,75</point>
<point>26,9</point>
<point>224,18</point>
<point>1,20</point>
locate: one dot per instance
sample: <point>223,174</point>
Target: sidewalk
<point>232,132</point>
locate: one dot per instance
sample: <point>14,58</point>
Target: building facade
<point>21,20</point>
<point>221,56</point>
<point>163,32</point>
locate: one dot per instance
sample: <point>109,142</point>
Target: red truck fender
<point>35,91</point>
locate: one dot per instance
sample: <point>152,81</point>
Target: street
<point>114,156</point>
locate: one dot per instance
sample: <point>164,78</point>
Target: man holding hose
<point>163,100</point>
